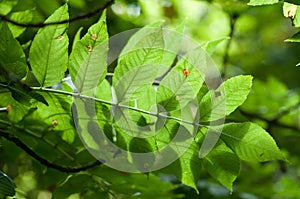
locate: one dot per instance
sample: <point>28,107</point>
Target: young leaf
<point>88,58</point>
<point>250,142</point>
<point>49,50</point>
<point>12,58</point>
<point>262,2</point>
<point>222,164</point>
<point>225,99</point>
<point>183,83</point>
<point>138,65</point>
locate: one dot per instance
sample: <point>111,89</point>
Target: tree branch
<point>43,161</point>
<point>40,25</point>
<point>233,19</point>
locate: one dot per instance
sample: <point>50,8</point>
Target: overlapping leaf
<point>138,65</point>
<point>183,82</point>
<point>88,58</point>
<point>225,99</point>
<point>12,58</point>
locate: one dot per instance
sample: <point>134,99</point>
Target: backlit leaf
<point>88,58</point>
<point>49,50</point>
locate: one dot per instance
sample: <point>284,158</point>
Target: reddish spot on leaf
<point>90,48</point>
<point>94,37</point>
<point>54,123</point>
<point>186,72</point>
<point>60,37</point>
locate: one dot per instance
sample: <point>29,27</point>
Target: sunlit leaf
<point>6,6</point>
<point>138,65</point>
<point>225,99</point>
<point>250,142</point>
<point>183,82</point>
<point>262,2</point>
<point>49,50</point>
<point>21,17</point>
<point>88,58</point>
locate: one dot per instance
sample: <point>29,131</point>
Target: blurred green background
<point>257,46</point>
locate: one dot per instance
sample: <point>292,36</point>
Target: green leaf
<point>294,38</point>
<point>138,65</point>
<point>21,17</point>
<point>262,2</point>
<point>17,109</point>
<point>225,99</point>
<point>190,166</point>
<point>250,142</point>
<point>6,6</point>
<point>88,58</point>
<point>49,50</point>
<point>292,11</point>
<point>210,46</point>
<point>142,154</point>
<point>92,184</point>
<point>12,58</point>
<point>222,164</point>
<point>121,184</point>
<point>182,84</point>
<point>76,38</point>
<point>59,115</point>
<point>7,185</point>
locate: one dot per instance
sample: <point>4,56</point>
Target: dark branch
<point>43,161</point>
<point>39,25</point>
<point>233,19</point>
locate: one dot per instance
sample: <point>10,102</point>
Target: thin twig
<point>40,25</point>
<point>42,160</point>
<point>233,19</point>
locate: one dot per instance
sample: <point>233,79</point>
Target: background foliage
<point>256,46</point>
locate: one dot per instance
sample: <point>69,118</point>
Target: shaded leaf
<point>12,58</point>
<point>222,164</point>
<point>294,38</point>
<point>7,185</point>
